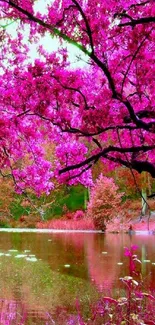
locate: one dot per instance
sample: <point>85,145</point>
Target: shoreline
<point>35,230</point>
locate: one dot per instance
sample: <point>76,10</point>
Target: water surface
<point>42,272</point>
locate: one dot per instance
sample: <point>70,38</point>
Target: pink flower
<point>110,300</point>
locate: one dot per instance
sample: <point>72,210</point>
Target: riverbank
<point>57,231</point>
<point>118,224</point>
<point>128,220</point>
<point>144,223</point>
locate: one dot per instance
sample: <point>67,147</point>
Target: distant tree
<point>104,202</point>
<point>6,196</point>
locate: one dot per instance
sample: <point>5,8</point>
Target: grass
<point>83,224</point>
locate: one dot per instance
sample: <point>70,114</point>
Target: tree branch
<point>150,127</point>
<point>133,58</point>
<point>54,31</point>
<point>134,22</point>
<point>57,32</point>
<point>141,114</point>
<point>86,23</point>
<point>104,153</point>
<point>137,165</point>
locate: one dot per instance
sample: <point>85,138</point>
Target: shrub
<point>69,215</point>
<point>104,202</point>
<point>79,214</point>
<point>83,224</point>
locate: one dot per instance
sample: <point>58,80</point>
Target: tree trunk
<point>144,202</point>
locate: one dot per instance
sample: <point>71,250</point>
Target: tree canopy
<point>103,110</point>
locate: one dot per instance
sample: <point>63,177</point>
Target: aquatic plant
<point>135,307</point>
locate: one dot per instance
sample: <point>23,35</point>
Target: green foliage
<point>53,206</point>
<point>17,210</point>
<point>54,211</point>
<point>75,199</point>
<point>72,198</point>
<point>4,224</point>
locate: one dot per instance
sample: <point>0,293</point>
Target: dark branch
<point>47,26</point>
<point>139,4</point>
<point>97,143</point>
<point>137,165</point>
<point>133,58</point>
<point>100,64</point>
<point>151,195</point>
<point>80,173</point>
<point>104,152</point>
<point>141,114</point>
<point>134,22</point>
<point>72,89</point>
<point>86,23</point>
<point>100,131</point>
<point>107,74</point>
<point>64,12</point>
<point>81,133</point>
<point>150,127</point>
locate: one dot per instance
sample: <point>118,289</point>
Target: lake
<point>47,274</point>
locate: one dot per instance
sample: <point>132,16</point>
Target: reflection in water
<point>103,255</point>
<point>12,312</point>
<point>35,282</point>
<point>8,311</point>
<point>102,264</point>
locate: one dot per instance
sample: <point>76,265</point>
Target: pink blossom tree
<point>109,103</point>
<point>104,202</point>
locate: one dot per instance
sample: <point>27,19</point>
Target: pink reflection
<point>102,263</point>
<point>105,269</point>
<point>101,255</point>
<point>14,313</point>
<point>11,312</point>
<point>75,239</point>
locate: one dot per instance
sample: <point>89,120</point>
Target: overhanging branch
<point>104,153</point>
